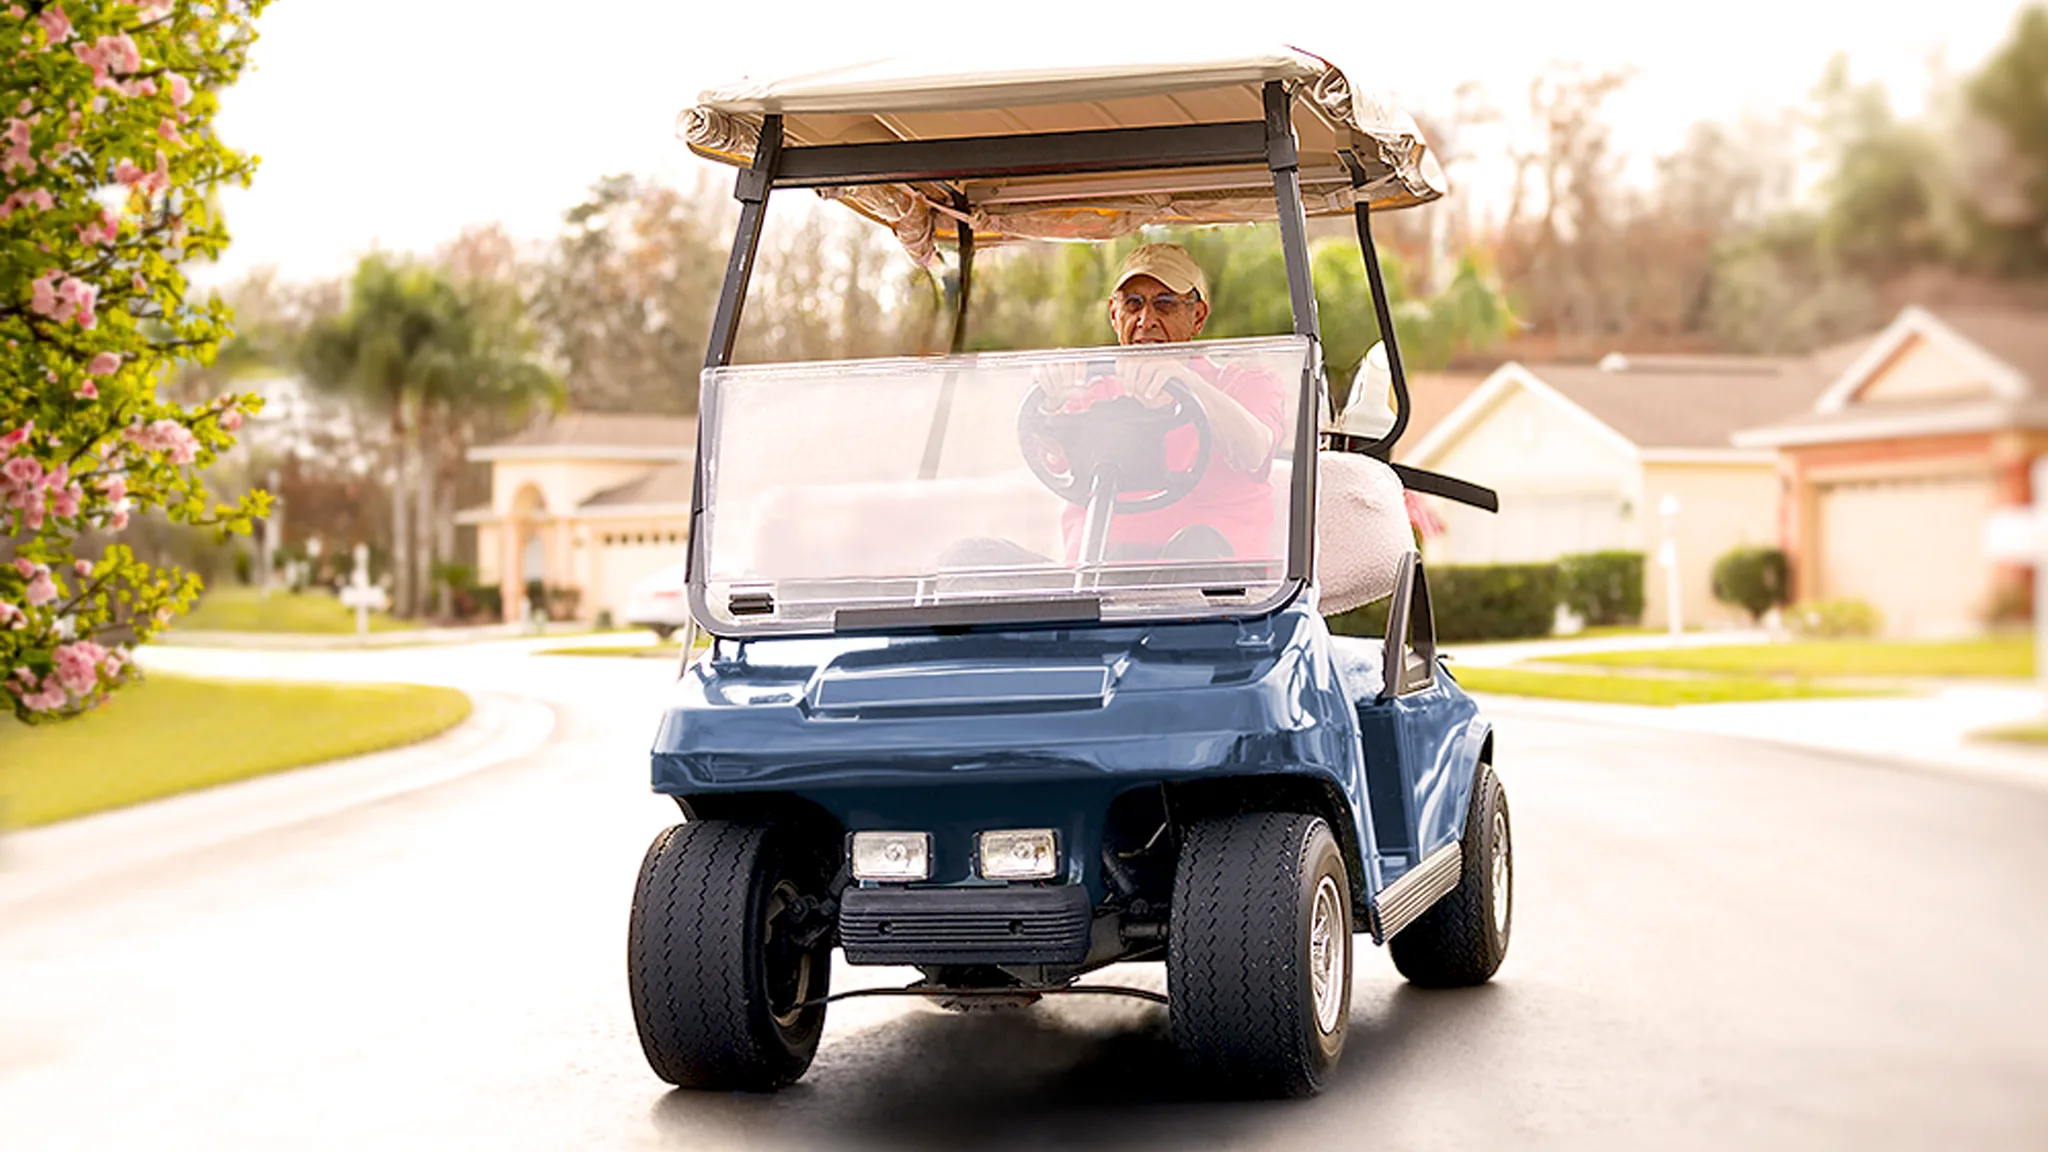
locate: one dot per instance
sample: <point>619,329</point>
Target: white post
<point>1667,555</point>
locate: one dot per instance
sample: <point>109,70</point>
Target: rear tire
<point>1463,937</point>
<point>716,978</point>
<point>1258,960</point>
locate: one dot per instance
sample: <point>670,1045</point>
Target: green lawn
<point>170,734</point>
<point>2031,732</point>
<point>2004,656</point>
<point>235,609</point>
<point>1655,691</point>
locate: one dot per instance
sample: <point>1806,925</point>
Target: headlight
<point>892,855</point>
<point>1023,854</point>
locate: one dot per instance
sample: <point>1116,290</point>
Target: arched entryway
<point>525,544</point>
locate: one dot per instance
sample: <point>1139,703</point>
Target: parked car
<point>660,602</point>
<point>952,717</point>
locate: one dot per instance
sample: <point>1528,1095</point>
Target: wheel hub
<point>1501,878</point>
<point>1329,947</point>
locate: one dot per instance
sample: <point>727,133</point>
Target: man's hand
<point>1145,378</point>
<point>1061,384</point>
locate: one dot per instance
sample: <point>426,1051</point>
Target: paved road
<point>1718,944</point>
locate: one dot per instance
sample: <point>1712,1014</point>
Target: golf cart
<point>967,707</point>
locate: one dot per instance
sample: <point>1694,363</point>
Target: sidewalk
<point>1926,732</point>
<point>407,638</point>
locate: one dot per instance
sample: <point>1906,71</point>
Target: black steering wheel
<point>1121,436</point>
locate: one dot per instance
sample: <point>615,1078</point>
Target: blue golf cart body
<point>947,720</point>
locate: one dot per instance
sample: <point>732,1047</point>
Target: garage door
<point>1912,548</point>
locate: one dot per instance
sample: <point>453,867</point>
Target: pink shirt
<point>1237,504</point>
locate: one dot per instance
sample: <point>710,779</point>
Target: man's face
<point>1144,311</point>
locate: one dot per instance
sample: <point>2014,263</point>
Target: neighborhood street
<point>1719,942</point>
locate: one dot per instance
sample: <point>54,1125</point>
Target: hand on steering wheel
<point>1124,436</point>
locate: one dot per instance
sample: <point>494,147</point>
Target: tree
<point>2004,176</point>
<point>107,158</point>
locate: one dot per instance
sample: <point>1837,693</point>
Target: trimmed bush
<point>1755,580</point>
<point>1474,602</point>
<point>1602,587</point>
<point>1834,619</point>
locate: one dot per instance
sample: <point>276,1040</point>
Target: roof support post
<point>1383,312</point>
<point>965,231</point>
<point>1283,158</point>
<point>751,190</point>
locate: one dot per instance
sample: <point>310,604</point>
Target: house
<point>593,502</point>
<point>1891,473</point>
<point>1585,457</point>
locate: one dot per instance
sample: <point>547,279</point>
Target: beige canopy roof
<point>900,99</point>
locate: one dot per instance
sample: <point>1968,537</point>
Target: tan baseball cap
<point>1169,264</point>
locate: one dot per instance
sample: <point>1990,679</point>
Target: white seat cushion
<point>1362,530</point>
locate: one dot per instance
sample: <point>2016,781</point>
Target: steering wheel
<point>1122,435</point>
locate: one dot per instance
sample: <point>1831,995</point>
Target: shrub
<point>1834,619</point>
<point>1474,602</point>
<point>1752,579</point>
<point>1602,587</point>
<point>486,601</point>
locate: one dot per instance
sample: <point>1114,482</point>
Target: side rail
<point>1410,654</point>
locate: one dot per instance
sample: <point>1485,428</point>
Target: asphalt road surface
<point>1717,944</point>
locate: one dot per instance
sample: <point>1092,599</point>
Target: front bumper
<point>1019,925</point>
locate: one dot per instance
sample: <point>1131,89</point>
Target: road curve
<point>1717,943</point>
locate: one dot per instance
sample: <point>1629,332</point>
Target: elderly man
<point>1162,297</point>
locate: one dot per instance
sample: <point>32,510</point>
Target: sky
<point>393,124</point>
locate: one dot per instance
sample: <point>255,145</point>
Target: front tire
<point>719,979</point>
<point>1463,937</point>
<point>1258,962</point>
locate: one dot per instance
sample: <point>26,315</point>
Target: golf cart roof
<point>1352,147</point>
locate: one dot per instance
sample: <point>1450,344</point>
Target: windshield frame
<point>941,164</point>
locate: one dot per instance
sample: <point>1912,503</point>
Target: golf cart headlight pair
<point>1022,854</point>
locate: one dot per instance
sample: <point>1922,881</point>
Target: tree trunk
<point>444,515</point>
<point>424,557</point>
<point>401,523</point>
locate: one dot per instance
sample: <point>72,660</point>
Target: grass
<point>2030,732</point>
<point>171,734</point>
<point>1999,656</point>
<point>1653,691</point>
<point>246,610</point>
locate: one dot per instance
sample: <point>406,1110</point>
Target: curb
<point>40,862</point>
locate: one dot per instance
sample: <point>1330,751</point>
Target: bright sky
<point>395,123</point>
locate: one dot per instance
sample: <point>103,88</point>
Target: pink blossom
<point>87,391</point>
<point>181,89</point>
<point>23,470</point>
<point>19,136</point>
<point>103,364</point>
<point>49,699</point>
<point>107,55</point>
<point>55,23</point>
<point>40,590</point>
<point>68,501</point>
<point>37,198</point>
<point>231,419</point>
<point>165,436</point>
<point>9,614</point>
<point>18,437</point>
<point>43,299</point>
<point>26,567</point>
<point>82,567</point>
<point>143,87</point>
<point>114,662</point>
<point>101,231</point>
<point>118,520</point>
<point>168,129</point>
<point>78,665</point>
<point>116,490</point>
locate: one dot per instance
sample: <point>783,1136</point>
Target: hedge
<point>1474,602</point>
<point>1602,587</point>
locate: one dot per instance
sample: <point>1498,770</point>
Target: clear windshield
<point>1123,482</point>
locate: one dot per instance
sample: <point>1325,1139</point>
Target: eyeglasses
<point>1164,304</point>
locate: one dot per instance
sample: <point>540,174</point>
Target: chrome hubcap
<point>1501,877</point>
<point>1329,948</point>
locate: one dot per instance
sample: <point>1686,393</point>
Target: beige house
<point>1585,456</point>
<point>1891,473</point>
<point>591,502</point>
